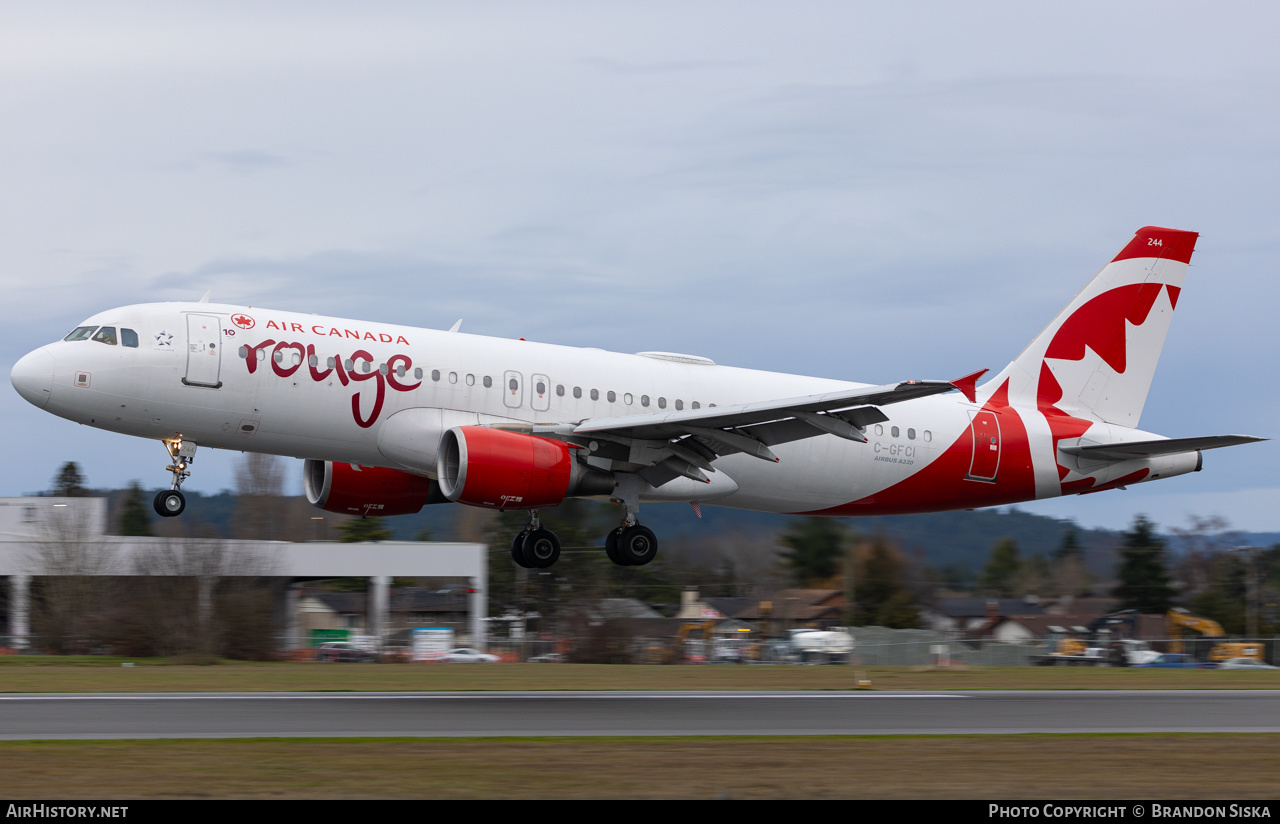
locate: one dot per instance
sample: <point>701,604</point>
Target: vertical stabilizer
<point>1098,356</point>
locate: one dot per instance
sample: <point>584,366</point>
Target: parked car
<point>1245,664</point>
<point>1177,660</point>
<point>343,651</point>
<point>469,656</point>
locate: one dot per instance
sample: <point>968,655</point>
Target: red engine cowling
<point>511,470</point>
<point>366,490</point>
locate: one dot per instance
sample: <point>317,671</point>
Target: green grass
<point>96,674</point>
<point>1167,767</point>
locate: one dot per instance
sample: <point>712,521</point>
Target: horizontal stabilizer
<point>1147,449</point>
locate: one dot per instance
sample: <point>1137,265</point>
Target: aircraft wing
<point>686,441</point>
<point>1146,449</point>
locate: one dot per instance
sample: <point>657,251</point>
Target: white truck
<point>822,646</point>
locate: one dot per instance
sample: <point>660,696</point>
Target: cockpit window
<point>81,333</point>
<point>107,335</point>
<point>128,338</point>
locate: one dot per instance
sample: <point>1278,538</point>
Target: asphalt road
<point>472,714</point>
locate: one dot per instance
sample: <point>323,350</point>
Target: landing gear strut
<point>630,544</point>
<point>535,547</point>
<point>171,502</point>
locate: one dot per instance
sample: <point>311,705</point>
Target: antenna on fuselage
<point>456,326</point>
<point>206,297</point>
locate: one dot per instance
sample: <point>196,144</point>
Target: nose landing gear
<point>170,503</point>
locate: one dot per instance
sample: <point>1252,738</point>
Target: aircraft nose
<point>32,376</point>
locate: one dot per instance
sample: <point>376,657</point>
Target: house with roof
<point>408,609</point>
<point>963,616</point>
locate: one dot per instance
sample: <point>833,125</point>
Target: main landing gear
<point>535,547</point>
<point>632,545</point>
<point>539,548</point>
<point>170,502</point>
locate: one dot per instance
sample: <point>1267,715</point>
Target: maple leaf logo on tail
<point>1094,363</point>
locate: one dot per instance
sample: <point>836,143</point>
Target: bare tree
<point>71,591</point>
<point>189,597</point>
<point>259,498</point>
<point>1202,542</point>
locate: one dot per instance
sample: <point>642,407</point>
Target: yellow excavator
<point>1178,619</point>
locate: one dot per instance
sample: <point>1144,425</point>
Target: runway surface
<point>488,714</point>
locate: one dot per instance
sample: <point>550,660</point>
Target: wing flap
<point>665,425</point>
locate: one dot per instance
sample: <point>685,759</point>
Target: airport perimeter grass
<point>1172,766</point>
<point>1059,767</point>
<point>22,673</point>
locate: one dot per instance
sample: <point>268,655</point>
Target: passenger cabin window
<point>662,403</point>
<point>129,338</point>
<point>644,400</point>
<point>80,333</point>
<point>595,394</point>
<point>577,391</point>
<point>107,335</point>
<point>612,396</point>
<point>435,374</point>
<point>560,390</point>
<point>679,404</point>
<point>488,383</point>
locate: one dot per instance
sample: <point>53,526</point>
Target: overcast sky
<point>866,192</point>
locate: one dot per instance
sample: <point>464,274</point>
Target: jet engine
<point>366,490</point>
<point>499,469</point>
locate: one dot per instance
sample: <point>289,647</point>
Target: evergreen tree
<point>134,519</point>
<point>69,483</point>
<point>1003,565</point>
<point>1145,583</point>
<point>355,530</point>
<point>1226,600</point>
<point>1070,546</point>
<point>883,597</point>
<point>814,547</point>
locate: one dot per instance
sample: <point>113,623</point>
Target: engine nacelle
<point>498,469</point>
<point>366,490</point>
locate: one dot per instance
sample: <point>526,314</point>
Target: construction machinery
<point>1107,641</point>
<point>1178,619</point>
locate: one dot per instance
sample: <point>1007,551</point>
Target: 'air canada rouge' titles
<point>306,354</point>
<point>333,332</point>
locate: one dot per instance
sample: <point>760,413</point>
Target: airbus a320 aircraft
<point>390,418</point>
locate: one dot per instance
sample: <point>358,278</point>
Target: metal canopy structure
<point>66,536</point>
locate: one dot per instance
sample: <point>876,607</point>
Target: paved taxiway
<point>154,715</point>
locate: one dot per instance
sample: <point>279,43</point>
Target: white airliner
<point>389,418</point>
